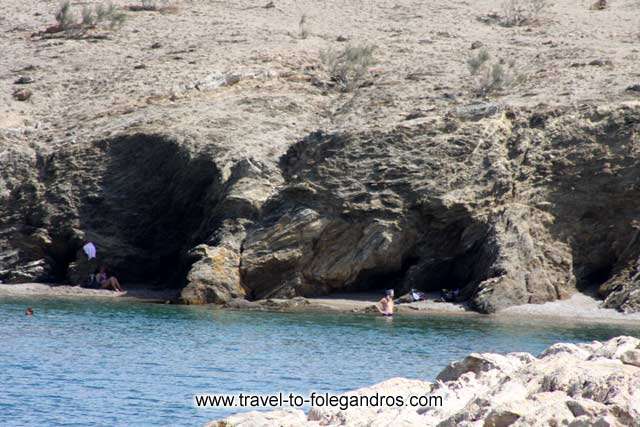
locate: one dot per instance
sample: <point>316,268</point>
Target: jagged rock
<point>477,111</point>
<point>292,418</point>
<point>428,205</point>
<point>567,348</point>
<point>631,357</point>
<point>216,80</point>
<point>397,387</point>
<point>214,277</point>
<point>313,255</point>
<point>573,385</point>
<point>24,80</point>
<point>478,363</point>
<point>616,347</point>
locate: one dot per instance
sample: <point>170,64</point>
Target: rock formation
<point>228,161</point>
<point>594,384</point>
<point>520,207</point>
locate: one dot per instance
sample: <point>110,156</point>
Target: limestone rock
<point>478,363</point>
<point>571,385</point>
<point>631,357</point>
<point>262,419</point>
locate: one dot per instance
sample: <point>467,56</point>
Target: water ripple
<point>122,363</point>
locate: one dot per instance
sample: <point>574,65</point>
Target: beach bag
<point>92,282</point>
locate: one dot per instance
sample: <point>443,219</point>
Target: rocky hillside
<point>596,384</point>
<point>217,147</point>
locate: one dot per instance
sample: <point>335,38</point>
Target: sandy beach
<point>48,290</point>
<point>579,307</point>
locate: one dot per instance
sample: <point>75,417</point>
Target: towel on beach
<point>90,250</point>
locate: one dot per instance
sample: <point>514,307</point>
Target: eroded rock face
<point>575,385</point>
<point>306,254</point>
<point>214,277</point>
<point>511,207</point>
<point>500,214</point>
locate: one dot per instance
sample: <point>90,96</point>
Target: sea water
<point>104,362</point>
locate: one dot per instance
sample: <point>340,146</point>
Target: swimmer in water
<point>385,305</point>
<point>28,311</point>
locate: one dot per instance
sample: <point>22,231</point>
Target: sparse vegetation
<point>475,62</point>
<point>64,17</point>
<point>491,76</point>
<point>101,15</point>
<point>348,67</point>
<point>521,12</point>
<point>302,28</point>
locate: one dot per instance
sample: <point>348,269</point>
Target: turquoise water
<point>118,363</point>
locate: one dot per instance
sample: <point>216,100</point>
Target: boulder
<point>214,277</point>
<point>560,388</point>
<point>292,418</point>
<point>631,357</point>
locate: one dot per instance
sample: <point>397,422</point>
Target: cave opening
<point>448,255</point>
<point>61,253</point>
<point>150,207</point>
<point>373,281</point>
<point>590,278</point>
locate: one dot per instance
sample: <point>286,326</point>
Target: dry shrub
<point>475,62</point>
<point>521,12</point>
<point>302,27</point>
<point>492,76</point>
<point>348,67</point>
<point>100,15</point>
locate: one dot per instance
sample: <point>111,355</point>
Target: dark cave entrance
<point>149,207</point>
<point>61,253</point>
<point>453,251</point>
<point>590,279</point>
<point>373,281</point>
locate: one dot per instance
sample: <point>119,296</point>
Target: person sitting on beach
<point>108,282</point>
<point>385,305</point>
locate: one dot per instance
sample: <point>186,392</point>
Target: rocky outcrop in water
<point>594,384</point>
<point>512,207</point>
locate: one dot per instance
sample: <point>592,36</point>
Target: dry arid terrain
<point>261,149</point>
<point>146,74</point>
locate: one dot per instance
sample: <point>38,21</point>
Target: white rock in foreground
<point>596,384</point>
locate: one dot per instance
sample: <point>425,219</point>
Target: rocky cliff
<point>263,178</point>
<point>595,384</point>
<point>518,207</point>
